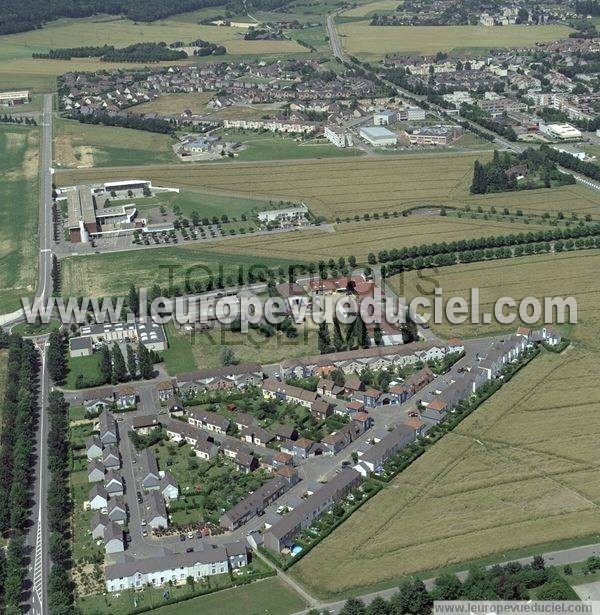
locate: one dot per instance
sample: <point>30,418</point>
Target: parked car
<point>182,537</point>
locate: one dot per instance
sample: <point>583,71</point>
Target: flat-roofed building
<point>12,99</point>
<point>378,136</point>
<point>81,212</point>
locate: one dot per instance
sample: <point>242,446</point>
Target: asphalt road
<point>37,537</point>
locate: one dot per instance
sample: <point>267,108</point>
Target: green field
<point>379,6</point>
<point>88,367</point>
<point>19,187</point>
<point>79,145</point>
<point>358,37</point>
<point>522,470</point>
<point>111,274</point>
<point>266,597</point>
<point>331,188</point>
<point>205,348</point>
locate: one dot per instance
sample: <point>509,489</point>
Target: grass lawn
<point>280,147</point>
<point>359,37</point>
<point>3,369</point>
<point>176,103</point>
<point>25,328</point>
<point>179,357</point>
<point>79,145</point>
<point>270,597</point>
<point>19,160</point>
<point>109,275</point>
<point>88,367</point>
<point>207,204</point>
<point>250,347</point>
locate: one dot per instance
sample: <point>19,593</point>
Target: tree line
<point>19,410</point>
<point>126,121</point>
<point>500,174</point>
<point>138,52</point>
<point>16,17</point>
<point>60,586</point>
<point>16,119</point>
<point>568,161</point>
<point>500,582</point>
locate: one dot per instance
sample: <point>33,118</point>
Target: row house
<point>274,389</point>
<point>384,448</point>
<point>221,378</point>
<point>211,421</point>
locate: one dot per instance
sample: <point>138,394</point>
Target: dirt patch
<point>67,154</point>
<point>30,166</point>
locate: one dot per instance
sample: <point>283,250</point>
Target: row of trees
<point>114,368</point>
<point>355,336</point>
<point>491,241</point>
<point>127,121</point>
<point>509,582</point>
<point>564,159</point>
<point>138,52</point>
<point>477,115</point>
<point>19,409</point>
<point>60,586</point>
<point>17,119</point>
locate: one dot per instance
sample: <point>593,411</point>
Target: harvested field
<point>360,238</point>
<point>498,482</point>
<point>565,274</point>
<point>176,103</point>
<point>359,37</point>
<point>331,188</point>
<point>379,7</point>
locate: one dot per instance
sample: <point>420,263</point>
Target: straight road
<point>37,537</point>
<point>334,40</point>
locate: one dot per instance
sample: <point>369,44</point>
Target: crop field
<point>360,238</point>
<point>331,188</point>
<point>522,470</point>
<point>19,160</point>
<point>379,7</point>
<point>566,199</point>
<point>79,145</point>
<point>361,38</point>
<point>565,274</point>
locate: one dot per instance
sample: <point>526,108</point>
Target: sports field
<point>19,160</point>
<point>332,188</point>
<point>361,38</point>
<point>522,470</point>
<point>79,145</point>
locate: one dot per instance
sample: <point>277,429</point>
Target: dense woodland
<point>138,52</point>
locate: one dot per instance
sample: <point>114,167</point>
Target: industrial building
<point>434,135</point>
<point>560,131</point>
<point>12,99</point>
<point>378,136</point>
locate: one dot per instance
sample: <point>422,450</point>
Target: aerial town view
<point>299,307</point>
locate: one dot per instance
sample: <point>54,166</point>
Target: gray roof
<point>80,343</point>
<point>148,463</point>
<point>216,372</point>
<point>107,423</point>
<point>97,489</point>
<point>113,531</point>
<point>155,506</point>
<point>129,566</point>
<point>146,420</point>
<point>393,438</point>
<point>93,440</point>
<point>211,418</point>
<point>293,519</point>
<point>257,499</point>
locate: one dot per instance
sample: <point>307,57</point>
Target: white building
<point>560,131</point>
<point>289,214</point>
<point>338,136</point>
<point>384,118</point>
<point>378,136</point>
<point>14,98</point>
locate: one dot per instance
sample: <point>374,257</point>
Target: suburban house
<point>284,432</point>
<point>117,510</point>
<point>111,458</point>
<point>254,504</point>
<point>93,447</point>
<point>98,524</point>
<point>107,426</point>
<point>256,435</point>
<point>274,389</point>
<point>205,449</point>
<point>95,471</point>
<point>328,388</point>
<point>220,378</point>
<point>321,409</point>
<point>97,497</point>
<point>385,448</point>
<point>113,483</point>
<point>245,463</point>
<point>148,469</point>
<point>165,390</point>
<point>204,419</point>
<point>126,397</point>
<point>282,533</point>
<point>113,538</point>
<point>155,511</point>
<point>98,400</point>
<point>133,573</point>
<point>144,424</point>
<point>169,487</point>
<point>178,430</point>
